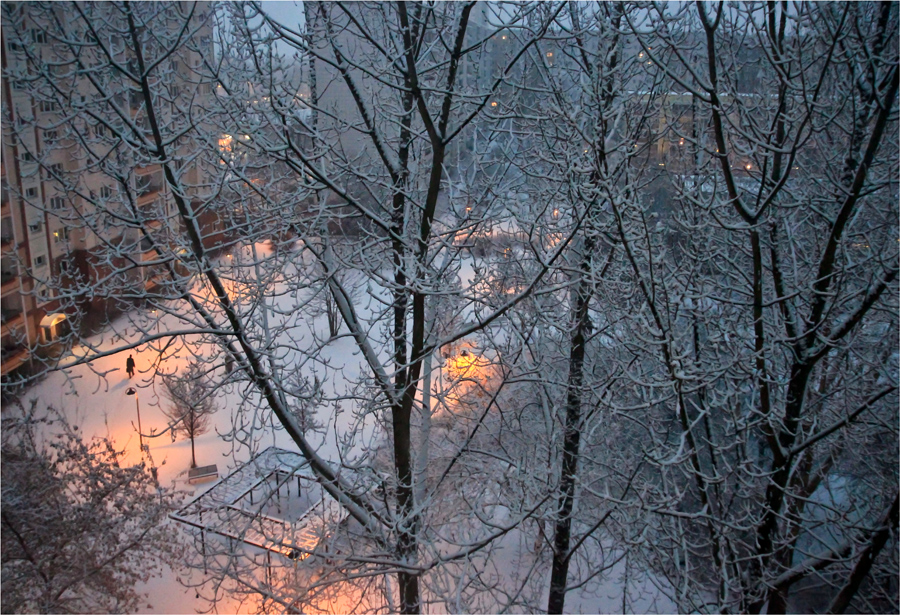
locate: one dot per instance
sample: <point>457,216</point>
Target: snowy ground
<point>95,400</point>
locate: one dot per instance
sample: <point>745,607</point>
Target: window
<point>30,193</point>
<point>57,203</point>
<point>49,106</point>
<point>27,157</point>
<point>40,261</point>
<point>61,235</point>
<point>35,227</point>
<point>39,37</point>
<point>101,130</point>
<point>55,170</point>
<point>63,265</point>
<point>51,135</point>
<point>106,192</point>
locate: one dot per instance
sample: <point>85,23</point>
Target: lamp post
<point>137,403</point>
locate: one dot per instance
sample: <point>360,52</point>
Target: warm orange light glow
<point>225,143</point>
<point>555,212</point>
<point>466,364</point>
<point>494,103</point>
<point>749,166</point>
<point>549,54</point>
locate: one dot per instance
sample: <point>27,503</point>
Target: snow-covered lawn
<point>95,399</point>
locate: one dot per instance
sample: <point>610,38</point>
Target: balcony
<point>11,357</point>
<point>10,319</point>
<point>6,231</point>
<point>8,283</point>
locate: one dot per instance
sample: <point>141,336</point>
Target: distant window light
<point>549,54</point>
<point>61,235</point>
<point>494,103</point>
<point>748,167</point>
<point>503,37</point>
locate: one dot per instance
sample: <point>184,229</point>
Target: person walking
<point>129,366</point>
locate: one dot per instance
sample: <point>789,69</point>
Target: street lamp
<point>137,403</point>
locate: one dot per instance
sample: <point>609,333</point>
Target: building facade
<point>81,206</point>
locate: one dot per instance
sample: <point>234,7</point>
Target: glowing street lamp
<point>137,404</point>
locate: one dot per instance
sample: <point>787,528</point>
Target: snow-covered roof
<point>272,502</point>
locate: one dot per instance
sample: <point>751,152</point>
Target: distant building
<point>51,233</point>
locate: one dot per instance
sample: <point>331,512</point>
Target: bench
<point>202,472</point>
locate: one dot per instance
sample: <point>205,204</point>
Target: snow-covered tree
<point>79,530</point>
<point>191,404</point>
<point>616,275</point>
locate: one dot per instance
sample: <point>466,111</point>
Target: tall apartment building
<point>54,112</point>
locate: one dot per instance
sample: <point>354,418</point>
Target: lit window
<point>748,167</point>
<point>549,54</point>
<point>494,103</point>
